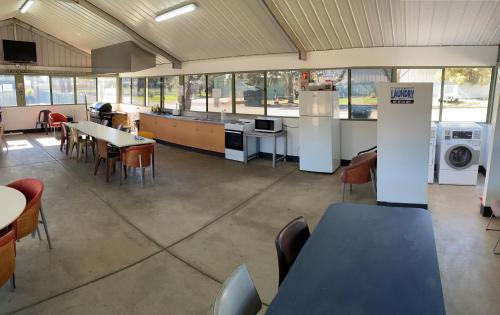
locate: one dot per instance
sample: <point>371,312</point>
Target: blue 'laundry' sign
<point>402,95</point>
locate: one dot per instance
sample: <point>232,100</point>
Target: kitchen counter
<point>200,133</point>
<point>214,121</point>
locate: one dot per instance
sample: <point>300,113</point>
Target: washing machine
<point>459,146</point>
<point>432,153</point>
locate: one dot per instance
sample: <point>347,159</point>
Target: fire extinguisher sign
<point>402,95</point>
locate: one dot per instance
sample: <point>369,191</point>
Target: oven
<point>234,140</point>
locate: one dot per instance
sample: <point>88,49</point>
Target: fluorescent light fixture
<point>26,5</point>
<point>175,12</point>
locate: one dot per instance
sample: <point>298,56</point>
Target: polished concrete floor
<point>166,248</point>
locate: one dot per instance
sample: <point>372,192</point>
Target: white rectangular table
<point>113,136</point>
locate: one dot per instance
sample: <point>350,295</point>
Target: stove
<point>236,141</point>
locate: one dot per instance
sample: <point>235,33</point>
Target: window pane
<point>466,92</point>
<point>220,92</point>
<point>171,93</point>
<point>195,93</point>
<point>339,78</point>
<point>250,93</point>
<point>138,91</point>
<point>106,89</point>
<point>364,94</point>
<point>63,90</point>
<point>37,89</point>
<point>283,93</point>
<point>154,91</point>
<point>8,90</point>
<point>126,89</point>
<point>86,87</point>
<point>425,75</point>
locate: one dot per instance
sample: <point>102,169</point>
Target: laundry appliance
<point>459,147</point>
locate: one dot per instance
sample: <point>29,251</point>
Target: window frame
<point>50,89</point>
<point>94,78</point>
<point>73,78</point>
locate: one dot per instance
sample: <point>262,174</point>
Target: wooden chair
<point>65,138</point>
<point>56,120</point>
<point>360,171</point>
<point>289,243</point>
<point>495,212</point>
<point>105,152</point>
<point>43,120</point>
<point>7,258</point>
<point>79,141</point>
<point>3,143</point>
<point>238,295</point>
<point>140,156</point>
<point>27,222</point>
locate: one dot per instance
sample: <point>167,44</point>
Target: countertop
<point>214,121</point>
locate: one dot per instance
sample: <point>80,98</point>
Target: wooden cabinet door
<point>217,143</point>
<point>148,123</point>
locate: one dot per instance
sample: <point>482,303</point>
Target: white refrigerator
<point>319,131</point>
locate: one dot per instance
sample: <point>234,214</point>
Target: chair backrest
<point>74,135</point>
<point>43,115</point>
<point>65,131</point>
<point>7,256</point>
<point>32,190</point>
<point>104,122</point>
<point>358,172</point>
<point>57,117</point>
<point>131,155</point>
<point>102,147</point>
<point>238,295</point>
<point>289,242</point>
<point>145,134</point>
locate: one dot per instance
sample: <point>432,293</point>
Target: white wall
<point>356,57</point>
<point>19,118</point>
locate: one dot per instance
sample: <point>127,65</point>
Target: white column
<point>492,184</point>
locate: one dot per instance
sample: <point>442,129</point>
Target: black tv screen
<point>18,51</point>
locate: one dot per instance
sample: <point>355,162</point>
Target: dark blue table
<point>364,259</point>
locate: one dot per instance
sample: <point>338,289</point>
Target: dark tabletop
<point>364,259</point>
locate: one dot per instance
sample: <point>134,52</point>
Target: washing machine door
<point>461,156</point>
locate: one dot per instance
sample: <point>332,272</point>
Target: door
<point>234,140</point>
<point>461,156</point>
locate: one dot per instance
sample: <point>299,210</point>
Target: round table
<point>12,203</point>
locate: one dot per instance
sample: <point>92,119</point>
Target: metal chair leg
<point>489,221</point>
<point>141,170</point>
<point>13,281</point>
<point>45,226</point>
<point>343,192</point>
<point>374,187</point>
<point>494,248</point>
<point>151,168</point>
<point>38,232</point>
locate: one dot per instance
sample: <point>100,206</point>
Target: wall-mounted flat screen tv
<point>18,51</point>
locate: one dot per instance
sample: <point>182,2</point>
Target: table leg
<point>245,149</point>
<point>285,149</point>
<point>274,152</point>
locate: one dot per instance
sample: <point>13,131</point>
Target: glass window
<point>63,90</point>
<point>220,92</point>
<point>249,93</point>
<point>363,91</point>
<point>126,90</point>
<point>425,75</point>
<point>172,96</point>
<point>37,89</point>
<point>283,93</point>
<point>466,93</point>
<point>138,91</point>
<point>339,78</point>
<point>86,89</point>
<point>106,89</point>
<point>154,91</point>
<point>195,93</point>
<point>8,91</point>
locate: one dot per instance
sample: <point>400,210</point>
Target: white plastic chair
<point>495,211</point>
<point>238,295</point>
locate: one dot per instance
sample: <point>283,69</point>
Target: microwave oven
<point>268,124</point>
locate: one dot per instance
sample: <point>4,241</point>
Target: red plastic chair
<point>56,120</point>
<point>27,223</point>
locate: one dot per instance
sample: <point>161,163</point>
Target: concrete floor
<point>167,248</point>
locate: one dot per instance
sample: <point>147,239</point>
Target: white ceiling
<point>223,28</point>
